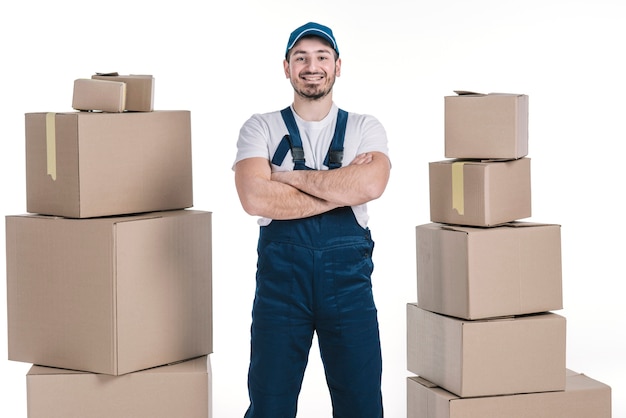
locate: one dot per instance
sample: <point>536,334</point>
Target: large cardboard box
<point>109,295</point>
<point>493,125</point>
<point>88,164</point>
<point>479,193</point>
<point>583,397</point>
<point>176,390</point>
<point>139,90</point>
<point>99,95</point>
<point>487,357</point>
<point>474,273</point>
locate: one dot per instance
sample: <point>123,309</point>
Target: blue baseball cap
<point>312,29</point>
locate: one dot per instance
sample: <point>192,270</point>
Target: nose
<point>311,65</point>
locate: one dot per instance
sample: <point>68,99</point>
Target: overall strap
<point>292,142</point>
<point>334,157</point>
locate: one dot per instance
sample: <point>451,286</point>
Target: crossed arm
<point>303,193</point>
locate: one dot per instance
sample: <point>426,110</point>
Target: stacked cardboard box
<point>483,340</point>
<point>109,274</point>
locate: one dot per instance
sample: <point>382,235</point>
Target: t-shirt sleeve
<point>253,140</point>
<point>373,135</point>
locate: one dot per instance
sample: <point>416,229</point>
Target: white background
<point>223,62</point>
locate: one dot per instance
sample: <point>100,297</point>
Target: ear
<point>286,68</point>
<point>338,67</point>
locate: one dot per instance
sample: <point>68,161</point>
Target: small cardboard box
<point>583,397</point>
<point>139,90</point>
<point>88,164</point>
<point>109,295</point>
<point>487,357</point>
<point>475,273</point>
<point>177,390</point>
<point>479,193</point>
<point>493,125</point>
<point>106,96</point>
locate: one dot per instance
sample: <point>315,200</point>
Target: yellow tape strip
<point>51,145</point>
<point>458,197</point>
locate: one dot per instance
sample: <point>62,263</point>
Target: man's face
<point>312,68</point>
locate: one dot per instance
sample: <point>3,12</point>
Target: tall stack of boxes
<point>109,274</point>
<point>482,339</point>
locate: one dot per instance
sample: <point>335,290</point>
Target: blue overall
<point>313,275</point>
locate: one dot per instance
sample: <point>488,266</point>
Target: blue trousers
<point>314,275</point>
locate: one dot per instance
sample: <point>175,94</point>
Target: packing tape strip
<point>51,145</point>
<point>458,197</point>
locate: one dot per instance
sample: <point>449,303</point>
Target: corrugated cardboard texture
<point>108,163</point>
<point>107,96</point>
<point>583,397</point>
<point>474,273</point>
<point>109,295</point>
<point>487,357</point>
<point>486,126</point>
<point>178,390</point>
<point>479,193</point>
<point>139,90</point>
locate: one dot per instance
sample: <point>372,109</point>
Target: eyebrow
<point>318,51</point>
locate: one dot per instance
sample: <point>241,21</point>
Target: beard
<point>313,91</point>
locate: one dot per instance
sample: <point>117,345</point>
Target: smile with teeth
<point>312,77</point>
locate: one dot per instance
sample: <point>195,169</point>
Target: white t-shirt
<point>262,133</point>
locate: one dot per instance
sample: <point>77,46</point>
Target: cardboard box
<point>176,390</point>
<point>487,357</point>
<point>139,90</point>
<point>479,193</point>
<point>88,164</point>
<point>106,96</point>
<point>583,397</point>
<point>493,125</point>
<point>109,295</point>
<point>475,273</point>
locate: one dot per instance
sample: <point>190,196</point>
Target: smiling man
<point>308,172</point>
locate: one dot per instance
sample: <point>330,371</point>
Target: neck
<point>313,110</point>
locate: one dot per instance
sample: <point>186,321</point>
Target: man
<point>308,171</point>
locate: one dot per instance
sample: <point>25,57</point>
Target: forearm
<point>261,196</point>
<point>276,200</point>
<point>363,180</point>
